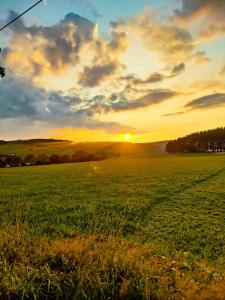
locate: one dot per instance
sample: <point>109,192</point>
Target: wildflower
<point>217,276</point>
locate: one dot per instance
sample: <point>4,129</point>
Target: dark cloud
<point>205,102</point>
<point>153,78</point>
<point>209,101</point>
<point>177,70</point>
<point>191,8</point>
<point>93,76</point>
<point>19,99</point>
<point>152,97</point>
<point>214,10</point>
<point>175,114</point>
<point>156,77</point>
<point>106,61</point>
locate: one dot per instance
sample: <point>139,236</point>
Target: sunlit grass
<point>99,267</point>
<point>132,228</point>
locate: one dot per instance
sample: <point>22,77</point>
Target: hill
<point>64,147</point>
<point>32,141</point>
<point>135,149</point>
<point>205,141</point>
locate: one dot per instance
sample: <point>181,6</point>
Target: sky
<point>100,70</point>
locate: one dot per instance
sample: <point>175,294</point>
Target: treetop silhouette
<point>2,70</point>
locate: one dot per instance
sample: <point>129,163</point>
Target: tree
<point>54,159</point>
<point>82,156</point>
<point>2,70</point>
<point>30,158</point>
<point>42,159</point>
<point>13,160</point>
<point>65,159</point>
<point>204,141</point>
<point>2,163</point>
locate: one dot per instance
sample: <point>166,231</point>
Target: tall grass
<point>102,266</point>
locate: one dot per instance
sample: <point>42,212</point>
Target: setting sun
<point>127,137</point>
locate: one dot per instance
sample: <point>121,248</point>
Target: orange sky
<point>155,73</point>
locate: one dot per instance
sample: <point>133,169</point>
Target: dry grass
<point>98,267</point>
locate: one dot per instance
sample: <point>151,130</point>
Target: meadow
<point>23,148</point>
<point>39,148</point>
<point>134,227</point>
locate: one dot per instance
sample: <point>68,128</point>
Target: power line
<point>19,16</point>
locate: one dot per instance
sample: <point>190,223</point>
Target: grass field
<point>141,227</point>
<point>48,148</point>
<point>23,148</point>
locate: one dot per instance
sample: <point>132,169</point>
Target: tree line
<point>13,160</point>
<point>204,141</point>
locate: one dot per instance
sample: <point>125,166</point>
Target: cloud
<point>213,30</point>
<point>20,99</point>
<point>178,69</point>
<point>38,51</point>
<point>90,6</point>
<point>206,102</point>
<point>212,10</point>
<point>222,72</point>
<point>156,76</point>
<point>153,78</point>
<point>118,102</point>
<point>209,101</point>
<point>175,114</point>
<point>201,57</point>
<point>93,76</point>
<point>192,8</point>
<point>106,62</point>
<point>172,42</point>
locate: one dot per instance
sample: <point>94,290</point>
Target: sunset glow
<point>92,70</point>
<point>127,137</point>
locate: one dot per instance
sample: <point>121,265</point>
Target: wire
<point>19,16</point>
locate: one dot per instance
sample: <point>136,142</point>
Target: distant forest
<point>205,141</point>
<point>32,141</point>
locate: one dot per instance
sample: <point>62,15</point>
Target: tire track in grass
<point>170,199</point>
<point>190,219</point>
<point>161,198</point>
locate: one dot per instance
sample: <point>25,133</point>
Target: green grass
<point>173,205</point>
<point>48,148</point>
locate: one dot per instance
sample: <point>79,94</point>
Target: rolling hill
<point>64,147</point>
